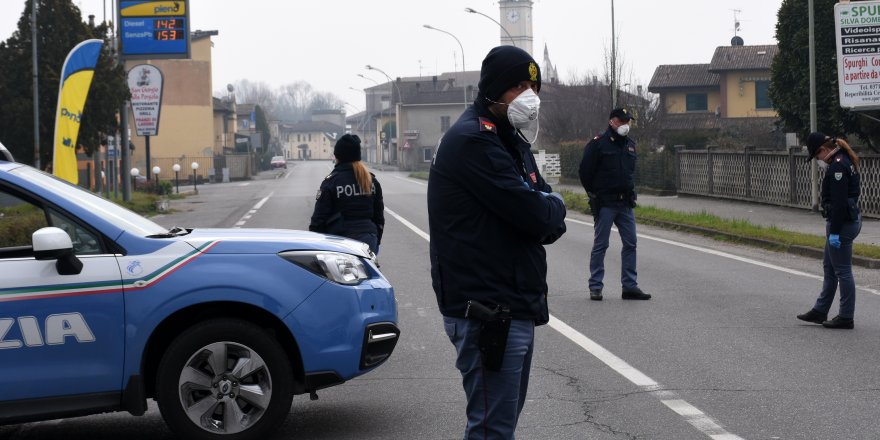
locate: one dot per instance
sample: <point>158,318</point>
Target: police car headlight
<point>337,267</point>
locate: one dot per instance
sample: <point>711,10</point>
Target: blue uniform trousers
<point>837,265</point>
<point>494,398</point>
<point>620,215</point>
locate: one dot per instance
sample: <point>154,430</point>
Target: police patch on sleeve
<point>838,176</point>
<point>318,196</point>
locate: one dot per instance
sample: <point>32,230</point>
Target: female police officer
<point>349,201</point>
<point>840,207</point>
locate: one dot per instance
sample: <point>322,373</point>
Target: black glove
<point>595,206</point>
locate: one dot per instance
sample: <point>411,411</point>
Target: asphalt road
<point>716,354</point>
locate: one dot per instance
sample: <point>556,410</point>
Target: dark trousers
<point>494,398</point>
<point>837,265</point>
<point>620,215</point>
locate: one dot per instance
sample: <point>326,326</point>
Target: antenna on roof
<point>736,40</point>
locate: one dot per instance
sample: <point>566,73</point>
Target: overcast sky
<point>327,43</point>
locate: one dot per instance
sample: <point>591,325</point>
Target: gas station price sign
<point>151,29</point>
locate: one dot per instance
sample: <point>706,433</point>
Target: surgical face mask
<point>623,130</point>
<point>524,109</point>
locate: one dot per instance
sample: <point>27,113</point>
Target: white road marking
<point>411,180</point>
<point>730,256</point>
<point>252,211</point>
<point>691,414</point>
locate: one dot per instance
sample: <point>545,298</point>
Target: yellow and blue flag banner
<point>76,78</point>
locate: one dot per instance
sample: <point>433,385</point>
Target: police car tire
<point>234,331</point>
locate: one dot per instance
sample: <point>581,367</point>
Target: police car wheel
<point>224,378</point>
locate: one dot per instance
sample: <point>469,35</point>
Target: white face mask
<point>623,130</point>
<point>524,109</point>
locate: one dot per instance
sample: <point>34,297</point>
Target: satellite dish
<point>230,88</point>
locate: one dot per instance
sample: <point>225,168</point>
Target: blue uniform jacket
<point>840,192</point>
<point>608,165</point>
<point>358,212</point>
<point>488,219</point>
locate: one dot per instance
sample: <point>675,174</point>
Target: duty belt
<point>616,197</point>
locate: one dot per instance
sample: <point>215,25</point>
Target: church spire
<point>548,70</point>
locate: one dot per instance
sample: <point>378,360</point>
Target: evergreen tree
<point>60,27</point>
<point>790,84</point>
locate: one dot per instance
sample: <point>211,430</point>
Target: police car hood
<point>265,241</point>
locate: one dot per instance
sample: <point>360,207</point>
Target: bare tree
<point>256,92</point>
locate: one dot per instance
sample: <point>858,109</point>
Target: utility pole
<point>36,78</point>
<point>814,168</point>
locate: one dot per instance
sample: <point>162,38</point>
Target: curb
<point>870,263</point>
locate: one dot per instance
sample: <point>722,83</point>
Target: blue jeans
<point>494,398</point>
<point>621,216</point>
<point>837,265</point>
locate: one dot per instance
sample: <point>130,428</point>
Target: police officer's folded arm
<point>495,181</point>
<point>324,208</point>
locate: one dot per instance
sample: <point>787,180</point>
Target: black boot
<point>839,322</point>
<point>596,295</point>
<point>813,316</point>
<point>635,294</point>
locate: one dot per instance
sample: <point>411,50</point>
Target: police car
<point>101,309</point>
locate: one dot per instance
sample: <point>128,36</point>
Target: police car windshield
<point>109,211</point>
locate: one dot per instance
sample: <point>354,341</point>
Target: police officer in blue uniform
<point>490,213</point>
<point>843,222</point>
<point>349,202</point>
<point>607,174</point>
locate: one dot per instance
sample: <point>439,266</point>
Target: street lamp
<point>156,171</point>
<point>613,61</point>
<point>369,67</point>
<point>134,173</point>
<point>368,78</point>
<point>195,166</point>
<point>463,88</point>
<point>176,169</point>
<point>473,11</point>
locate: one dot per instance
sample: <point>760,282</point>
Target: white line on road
<point>730,256</point>
<point>691,414</point>
<point>252,211</point>
<point>411,180</point>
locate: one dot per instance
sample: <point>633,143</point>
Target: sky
<point>327,43</point>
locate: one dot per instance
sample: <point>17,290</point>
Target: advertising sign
<point>145,83</point>
<point>857,28</point>
<point>150,29</point>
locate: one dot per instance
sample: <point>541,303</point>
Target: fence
<point>779,178</point>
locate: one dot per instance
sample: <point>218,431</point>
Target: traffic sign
<point>857,28</point>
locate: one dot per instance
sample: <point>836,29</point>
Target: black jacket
<point>358,213</point>
<point>609,164</point>
<point>840,192</point>
<point>489,216</point>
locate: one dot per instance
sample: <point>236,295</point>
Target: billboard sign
<point>150,29</point>
<point>857,31</point>
<point>145,83</point>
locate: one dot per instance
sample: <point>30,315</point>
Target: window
<point>762,95</point>
<point>444,124</point>
<point>697,102</point>
<point>427,154</point>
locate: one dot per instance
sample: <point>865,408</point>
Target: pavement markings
<point>731,256</point>
<point>252,211</point>
<point>690,413</point>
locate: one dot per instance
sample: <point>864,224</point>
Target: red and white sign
<point>145,83</point>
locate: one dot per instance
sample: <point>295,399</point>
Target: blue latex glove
<point>834,240</point>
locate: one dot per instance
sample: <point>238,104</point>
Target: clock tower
<point>516,18</point>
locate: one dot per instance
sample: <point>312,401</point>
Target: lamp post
<point>176,169</point>
<point>473,11</point>
<point>463,88</point>
<point>156,171</point>
<point>195,166</point>
<point>613,61</point>
<point>369,67</point>
<point>368,78</point>
<point>134,173</point>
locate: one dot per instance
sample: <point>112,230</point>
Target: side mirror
<point>54,244</point>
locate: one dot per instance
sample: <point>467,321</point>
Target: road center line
<point>252,211</point>
<point>690,413</point>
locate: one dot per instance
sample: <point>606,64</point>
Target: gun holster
<point>494,327</point>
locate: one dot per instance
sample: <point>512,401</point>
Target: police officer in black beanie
<point>349,201</point>
<point>490,213</point>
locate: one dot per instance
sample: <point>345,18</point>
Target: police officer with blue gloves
<point>843,222</point>
<point>607,174</point>
<point>349,202</point>
<point>490,213</point>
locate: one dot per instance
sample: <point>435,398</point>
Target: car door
<point>60,335</point>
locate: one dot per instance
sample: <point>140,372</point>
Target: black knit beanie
<point>348,148</point>
<point>503,68</point>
